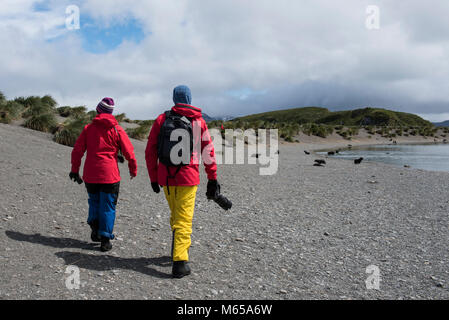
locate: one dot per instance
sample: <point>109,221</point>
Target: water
<point>433,157</point>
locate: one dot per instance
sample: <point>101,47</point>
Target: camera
<point>220,199</point>
<point>120,157</point>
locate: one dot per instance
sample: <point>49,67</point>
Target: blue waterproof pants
<point>102,204</point>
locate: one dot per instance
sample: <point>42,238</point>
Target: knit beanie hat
<point>182,94</point>
<point>106,106</point>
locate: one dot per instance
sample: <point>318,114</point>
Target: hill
<point>441,124</point>
<point>208,118</point>
<point>357,117</point>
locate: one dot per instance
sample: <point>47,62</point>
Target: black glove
<point>155,187</point>
<point>212,188</point>
<point>75,177</point>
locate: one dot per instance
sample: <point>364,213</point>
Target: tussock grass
<point>120,117</point>
<point>141,132</point>
<point>43,122</point>
<point>69,131</point>
<point>75,112</point>
<point>10,111</point>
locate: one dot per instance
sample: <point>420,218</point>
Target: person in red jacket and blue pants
<point>103,138</point>
<point>180,189</point>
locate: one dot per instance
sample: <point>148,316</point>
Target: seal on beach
<point>320,161</point>
<point>331,153</point>
<point>358,161</point>
<point>306,152</point>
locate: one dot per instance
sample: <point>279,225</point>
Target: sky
<point>237,56</point>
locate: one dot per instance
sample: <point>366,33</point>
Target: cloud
<point>238,57</point>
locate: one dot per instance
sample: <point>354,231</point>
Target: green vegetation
<point>357,117</point>
<point>75,112</point>
<point>9,111</point>
<point>40,114</point>
<point>318,130</point>
<point>42,122</point>
<point>120,117</point>
<point>321,122</point>
<point>299,115</point>
<point>347,132</point>
<point>141,132</point>
<point>69,131</point>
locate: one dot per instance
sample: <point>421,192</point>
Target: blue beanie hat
<point>182,94</point>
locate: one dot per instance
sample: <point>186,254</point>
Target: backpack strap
<point>171,176</point>
<point>171,112</point>
<point>167,114</point>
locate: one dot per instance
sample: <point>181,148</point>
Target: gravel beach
<point>305,233</point>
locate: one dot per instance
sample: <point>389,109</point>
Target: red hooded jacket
<point>188,175</point>
<point>102,143</point>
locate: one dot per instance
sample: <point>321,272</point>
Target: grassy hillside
<point>66,123</point>
<point>298,115</point>
<point>357,117</point>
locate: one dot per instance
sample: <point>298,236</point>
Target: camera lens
<point>223,202</point>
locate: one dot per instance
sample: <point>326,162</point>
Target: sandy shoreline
<point>305,233</point>
<point>334,141</point>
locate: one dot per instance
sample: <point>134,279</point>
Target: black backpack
<point>172,122</point>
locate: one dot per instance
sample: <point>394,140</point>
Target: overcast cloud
<point>237,56</point>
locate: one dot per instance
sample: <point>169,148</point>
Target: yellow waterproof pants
<point>181,201</point>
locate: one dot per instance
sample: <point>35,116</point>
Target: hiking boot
<point>180,269</point>
<point>94,236</point>
<point>106,244</point>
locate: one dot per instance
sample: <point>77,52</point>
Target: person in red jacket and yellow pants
<point>180,187</point>
<point>103,138</point>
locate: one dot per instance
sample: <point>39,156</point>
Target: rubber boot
<point>106,244</point>
<point>180,269</point>
<point>94,234</point>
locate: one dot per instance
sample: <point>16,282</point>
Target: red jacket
<point>189,174</point>
<point>102,142</point>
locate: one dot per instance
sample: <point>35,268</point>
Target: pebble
<point>289,205</point>
<point>282,291</point>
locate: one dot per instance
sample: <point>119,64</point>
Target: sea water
<point>434,157</point>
